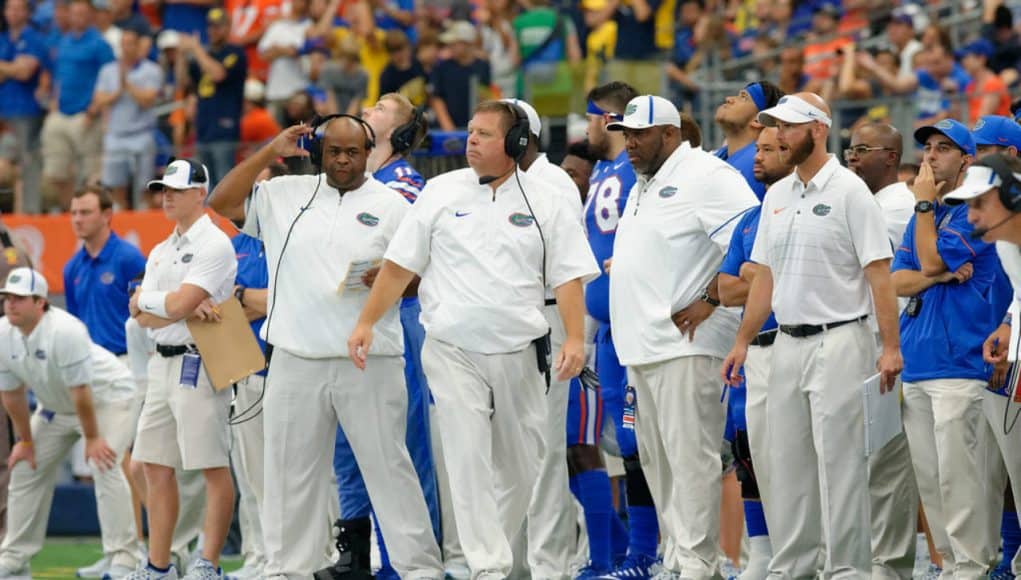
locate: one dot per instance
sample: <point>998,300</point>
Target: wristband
<point>153,302</point>
<point>240,295</point>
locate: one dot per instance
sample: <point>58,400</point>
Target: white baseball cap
<point>647,111</point>
<point>168,39</point>
<point>534,124</point>
<point>182,174</point>
<point>791,109</point>
<point>254,90</point>
<point>25,282</point>
<point>978,179</point>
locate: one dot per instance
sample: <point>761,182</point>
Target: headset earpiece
<point>515,143</point>
<point>1010,187</point>
<point>319,125</point>
<point>405,137</point>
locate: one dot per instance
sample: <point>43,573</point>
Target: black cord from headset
<point>1013,374</point>
<point>273,300</point>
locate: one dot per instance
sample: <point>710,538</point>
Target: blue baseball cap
<point>997,130</point>
<point>951,129</point>
<point>980,47</point>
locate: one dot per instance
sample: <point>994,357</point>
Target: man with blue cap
<point>736,118</point>
<point>949,276</point>
<point>996,134</point>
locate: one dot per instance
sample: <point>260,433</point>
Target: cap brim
<point>625,124</point>
<point>157,185</point>
<point>966,192</point>
<point>769,117</point>
<point>5,292</point>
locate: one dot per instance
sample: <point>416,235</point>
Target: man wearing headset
<point>321,233</point>
<point>486,242</point>
<point>400,127</point>
<point>184,421</point>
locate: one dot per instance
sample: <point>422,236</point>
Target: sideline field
<point>60,557</point>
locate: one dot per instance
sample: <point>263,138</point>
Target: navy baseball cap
<point>980,47</point>
<point>951,129</point>
<point>997,130</point>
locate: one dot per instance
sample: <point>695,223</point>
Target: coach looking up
<point>328,223</point>
<point>486,240</point>
<point>822,238</point>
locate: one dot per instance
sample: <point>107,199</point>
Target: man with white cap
<point>822,239</point>
<point>82,390</point>
<point>184,421</point>
<point>551,519</point>
<point>666,324</point>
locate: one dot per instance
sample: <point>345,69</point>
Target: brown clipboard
<point>228,348</point>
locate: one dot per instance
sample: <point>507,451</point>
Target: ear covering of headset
<point>515,143</point>
<point>405,137</point>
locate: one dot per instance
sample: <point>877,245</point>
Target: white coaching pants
<point>305,398</point>
<point>1003,459</point>
<point>679,419</point>
<point>818,475</point>
<point>551,516</point>
<point>247,453</point>
<point>757,366</point>
<point>491,411</point>
<point>944,424</point>
<point>30,493</point>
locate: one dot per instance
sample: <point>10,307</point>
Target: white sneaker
<point>9,572</point>
<point>203,570</point>
<point>144,572</point>
<point>118,571</point>
<point>95,570</point>
<point>250,571</point>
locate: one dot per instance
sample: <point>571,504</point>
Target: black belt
<point>172,350</point>
<point>765,338</point>
<point>551,302</point>
<point>806,330</point>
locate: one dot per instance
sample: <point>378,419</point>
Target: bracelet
<point>153,302</point>
<point>240,295</point>
<point>23,442</point>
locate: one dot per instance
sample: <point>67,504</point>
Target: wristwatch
<point>240,294</point>
<point>709,299</point>
<point>924,206</point>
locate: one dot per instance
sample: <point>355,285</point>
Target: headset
<point>319,125</point>
<point>516,141</point>
<point>1010,188</point>
<point>405,137</point>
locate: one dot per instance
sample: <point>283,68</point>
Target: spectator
<point>690,31</point>
<point>395,15</point>
<point>23,57</point>
<point>427,52</point>
<point>404,74</point>
<point>987,93</point>
<point>935,84</point>
<point>907,172</point>
<point>217,76</point>
<point>499,42</point>
<point>900,32</point>
<point>792,77</point>
<point>547,44</point>
<point>458,81</point>
<point>823,48</point>
<point>855,82</point>
<point>72,139</point>
<point>124,17</point>
<point>635,56</point>
<point>933,35</point>
<point>281,48</point>
<point>344,79</point>
<point>778,24</point>
<point>249,21</point>
<point>257,125</point>
<point>103,21</point>
<point>578,163</point>
<point>998,27</point>
<point>126,90</point>
<point>300,108</point>
<point>176,124</point>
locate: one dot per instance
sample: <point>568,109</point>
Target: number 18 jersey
<point>609,186</point>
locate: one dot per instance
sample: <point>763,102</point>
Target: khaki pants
<point>679,419</point>
<point>944,424</point>
<point>491,411</point>
<point>72,147</point>
<point>305,399</point>
<point>894,497</point>
<point>818,476</point>
<point>1003,457</point>
<point>551,513</point>
<point>31,491</point>
<point>6,442</point>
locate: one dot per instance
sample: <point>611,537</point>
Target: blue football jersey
<point>609,186</point>
<point>401,177</point>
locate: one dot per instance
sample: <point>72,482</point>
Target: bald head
<point>816,101</point>
<point>884,135</point>
<point>875,154</point>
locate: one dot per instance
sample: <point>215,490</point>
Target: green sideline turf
<point>60,558</point>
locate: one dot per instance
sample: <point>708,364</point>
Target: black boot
<point>354,542</point>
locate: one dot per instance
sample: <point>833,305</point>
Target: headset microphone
<point>979,232</point>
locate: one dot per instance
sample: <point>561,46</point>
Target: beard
<point>798,152</point>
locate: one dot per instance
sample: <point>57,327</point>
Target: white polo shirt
<point>57,356</point>
<point>480,258</point>
<point>204,257</point>
<point>311,318</point>
<point>563,185</point>
<point>898,205</point>
<point>817,238</point>
<point>670,242</point>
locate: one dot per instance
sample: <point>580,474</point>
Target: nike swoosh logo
<point>776,211</point>
<point>461,213</point>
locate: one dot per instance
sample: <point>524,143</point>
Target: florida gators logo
<point>522,220</point>
<point>366,218</point>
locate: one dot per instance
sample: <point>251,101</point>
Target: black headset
<point>319,124</point>
<point>405,137</point>
<point>1010,188</point>
<point>516,141</point>
<point>197,173</point>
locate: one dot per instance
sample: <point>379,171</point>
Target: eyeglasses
<point>861,150</point>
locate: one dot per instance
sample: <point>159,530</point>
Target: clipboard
<point>228,348</point>
<point>882,414</point>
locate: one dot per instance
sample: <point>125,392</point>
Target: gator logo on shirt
<point>368,219</point>
<point>106,278</point>
<point>40,354</point>
<point>667,191</point>
<point>522,220</point>
<point>187,258</point>
<point>821,209</point>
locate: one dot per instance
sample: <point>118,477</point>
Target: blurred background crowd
<point>106,91</point>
